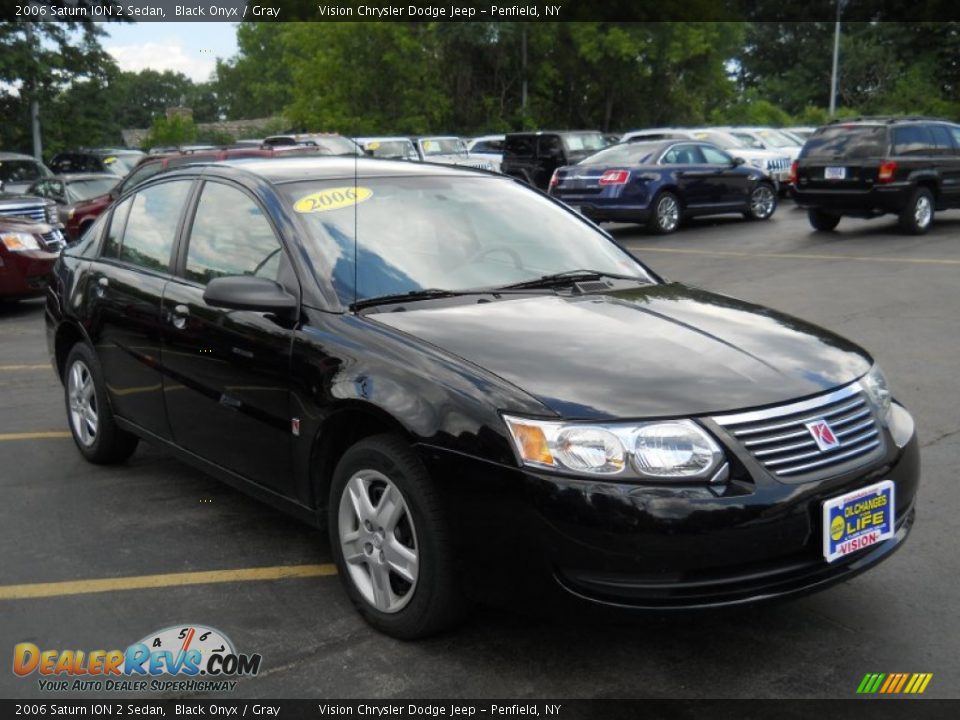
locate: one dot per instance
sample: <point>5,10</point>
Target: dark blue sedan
<point>660,183</point>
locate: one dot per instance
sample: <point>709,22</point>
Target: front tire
<point>391,541</point>
<point>917,217</point>
<point>762,203</point>
<point>666,214</point>
<point>94,429</point>
<point>823,221</point>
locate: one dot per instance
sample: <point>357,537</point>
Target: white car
<point>389,148</point>
<point>488,147</point>
<point>448,150</point>
<point>774,164</point>
<point>767,139</point>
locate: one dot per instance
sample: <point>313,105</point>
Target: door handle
<point>178,318</point>
<point>101,289</point>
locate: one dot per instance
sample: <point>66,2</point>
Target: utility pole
<point>34,101</point>
<point>523,68</point>
<point>836,59</point>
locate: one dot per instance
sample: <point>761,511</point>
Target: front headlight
<point>877,388</point>
<point>19,242</point>
<point>674,449</point>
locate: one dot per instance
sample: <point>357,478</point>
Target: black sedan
<point>660,183</point>
<point>477,391</point>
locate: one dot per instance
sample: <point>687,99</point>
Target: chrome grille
<point>780,163</point>
<point>37,213</point>
<point>780,440</point>
<point>53,241</point>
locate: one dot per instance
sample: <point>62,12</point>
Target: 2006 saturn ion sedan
<point>478,392</point>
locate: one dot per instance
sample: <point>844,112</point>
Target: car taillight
<point>887,171</point>
<point>554,179</point>
<point>793,173</point>
<point>615,177</point>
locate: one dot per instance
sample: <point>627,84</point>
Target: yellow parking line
<point>41,366</point>
<point>82,587</point>
<point>797,256</point>
<point>33,436</point>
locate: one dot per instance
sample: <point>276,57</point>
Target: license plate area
<point>835,173</point>
<point>858,519</point>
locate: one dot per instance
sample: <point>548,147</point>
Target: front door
<point>227,371</point>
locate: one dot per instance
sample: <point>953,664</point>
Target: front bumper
<point>25,274</point>
<point>551,543</point>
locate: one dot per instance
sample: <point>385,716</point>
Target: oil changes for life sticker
<point>858,519</point>
<point>332,199</point>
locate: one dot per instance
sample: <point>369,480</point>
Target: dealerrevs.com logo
<point>199,657</point>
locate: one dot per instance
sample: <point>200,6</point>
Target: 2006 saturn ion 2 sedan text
<point>477,391</point>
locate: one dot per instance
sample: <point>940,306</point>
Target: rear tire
<point>391,540</point>
<point>666,214</point>
<point>823,221</point>
<point>917,217</point>
<point>94,429</point>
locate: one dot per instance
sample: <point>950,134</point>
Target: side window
<point>955,131</point>
<point>942,143</point>
<point>520,146</point>
<point>715,156</point>
<point>118,221</point>
<point>683,155</point>
<point>911,140</point>
<point>549,146</point>
<point>152,224</point>
<point>231,236</point>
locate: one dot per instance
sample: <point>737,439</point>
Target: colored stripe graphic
<point>894,683</point>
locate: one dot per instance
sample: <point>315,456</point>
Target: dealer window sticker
<point>332,199</point>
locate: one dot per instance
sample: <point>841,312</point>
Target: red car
<point>27,252</point>
<point>83,214</point>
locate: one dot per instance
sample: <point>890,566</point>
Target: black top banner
<point>474,10</point>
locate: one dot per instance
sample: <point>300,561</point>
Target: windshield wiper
<point>568,277</point>
<point>431,294</point>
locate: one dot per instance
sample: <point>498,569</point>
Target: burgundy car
<point>30,243</point>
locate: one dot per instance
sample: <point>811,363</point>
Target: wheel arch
<point>67,335</point>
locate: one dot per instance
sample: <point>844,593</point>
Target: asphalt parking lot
<point>65,521</point>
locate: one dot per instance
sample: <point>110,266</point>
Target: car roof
<point>383,138</point>
<point>553,132</point>
<point>16,156</point>
<point>80,177</point>
<point>294,169</point>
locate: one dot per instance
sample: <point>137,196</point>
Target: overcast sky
<point>190,48</point>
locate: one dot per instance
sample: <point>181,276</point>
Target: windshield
<point>847,141</point>
<point>121,165</point>
<point>79,190</point>
<point>332,145</point>
<point>748,141</point>
<point>775,138</point>
<point>402,149</point>
<point>720,139</point>
<point>20,171</point>
<point>584,141</point>
<point>634,153</point>
<point>443,146</point>
<point>460,233</point>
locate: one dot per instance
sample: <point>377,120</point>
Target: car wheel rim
<point>378,541</point>
<point>668,213</point>
<point>923,211</point>
<point>83,403</point>
<point>761,204</point>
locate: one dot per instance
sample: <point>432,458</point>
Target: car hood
<point>656,351</point>
<point>17,224</point>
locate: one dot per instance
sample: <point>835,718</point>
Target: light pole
<point>836,59</point>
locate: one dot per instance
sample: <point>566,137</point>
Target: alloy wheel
<point>378,541</point>
<point>83,403</point>
<point>762,202</point>
<point>668,213</point>
<point>923,212</point>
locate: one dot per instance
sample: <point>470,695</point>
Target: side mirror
<point>245,292</point>
<point>737,161</point>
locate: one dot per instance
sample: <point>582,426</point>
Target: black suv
<point>119,161</point>
<point>533,156</point>
<point>872,166</point>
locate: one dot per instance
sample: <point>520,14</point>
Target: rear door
<point>227,386</point>
<point>701,187</point>
<point>124,312</point>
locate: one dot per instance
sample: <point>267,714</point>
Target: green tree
<point>176,130</point>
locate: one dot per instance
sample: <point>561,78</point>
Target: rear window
<point>912,140</point>
<point>20,170</point>
<point>847,141</point>
<point>634,153</point>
